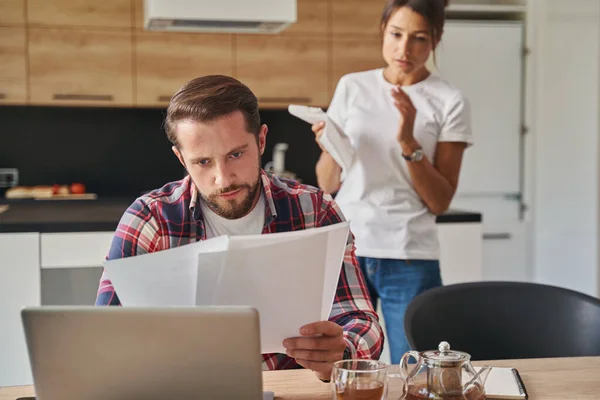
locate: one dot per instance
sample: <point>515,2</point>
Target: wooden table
<point>547,379</point>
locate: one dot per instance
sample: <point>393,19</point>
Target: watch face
<point>417,155</point>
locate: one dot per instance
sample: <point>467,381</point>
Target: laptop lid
<point>114,353</point>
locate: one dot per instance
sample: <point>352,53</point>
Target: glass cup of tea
<point>365,380</point>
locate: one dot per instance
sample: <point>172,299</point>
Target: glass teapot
<point>442,375</point>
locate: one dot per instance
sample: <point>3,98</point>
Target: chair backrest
<point>505,320</point>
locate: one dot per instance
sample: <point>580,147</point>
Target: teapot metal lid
<point>444,357</point>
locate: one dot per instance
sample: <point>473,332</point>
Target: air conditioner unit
<point>220,16</point>
<point>487,6</point>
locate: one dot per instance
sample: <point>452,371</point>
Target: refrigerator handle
<point>497,236</point>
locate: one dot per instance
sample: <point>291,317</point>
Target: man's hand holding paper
<point>319,346</point>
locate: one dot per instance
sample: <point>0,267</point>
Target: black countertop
<point>103,215</point>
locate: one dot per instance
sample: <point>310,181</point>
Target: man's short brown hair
<point>207,98</point>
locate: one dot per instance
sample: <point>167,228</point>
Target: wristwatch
<point>416,155</point>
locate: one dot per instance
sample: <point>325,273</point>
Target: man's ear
<point>262,138</point>
<point>179,156</point>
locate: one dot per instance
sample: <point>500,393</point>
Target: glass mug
<point>364,380</point>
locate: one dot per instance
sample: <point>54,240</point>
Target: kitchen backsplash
<point>120,151</point>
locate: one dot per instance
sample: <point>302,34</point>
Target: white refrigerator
<point>484,59</point>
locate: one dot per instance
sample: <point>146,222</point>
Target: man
<point>214,125</point>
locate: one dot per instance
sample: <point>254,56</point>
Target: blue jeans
<point>396,283</point>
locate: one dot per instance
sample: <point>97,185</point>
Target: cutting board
<point>84,196</point>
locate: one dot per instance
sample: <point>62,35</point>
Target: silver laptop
<point>119,353</point>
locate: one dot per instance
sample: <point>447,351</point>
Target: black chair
<point>505,320</point>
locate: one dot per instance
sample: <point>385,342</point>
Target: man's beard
<point>234,209</point>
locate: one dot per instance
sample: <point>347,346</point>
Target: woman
<point>409,129</point>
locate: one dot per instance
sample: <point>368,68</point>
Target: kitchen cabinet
<point>19,287</point>
<point>138,14</point>
<point>12,12</point>
<point>13,76</point>
<point>43,269</point>
<point>167,60</point>
<point>281,70</point>
<point>505,252</point>
<point>73,286</point>
<point>70,250</point>
<point>312,18</point>
<point>81,13</point>
<point>461,252</point>
<point>71,266</point>
<point>353,55</point>
<point>80,66</point>
<point>505,237</point>
<point>356,17</point>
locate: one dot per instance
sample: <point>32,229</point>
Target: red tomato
<point>77,188</point>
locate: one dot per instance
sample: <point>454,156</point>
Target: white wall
<point>563,150</point>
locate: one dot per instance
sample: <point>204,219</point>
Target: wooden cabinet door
<point>356,17</point>
<point>12,12</point>
<point>85,13</point>
<point>165,61</point>
<point>353,55</point>
<point>138,14</point>
<point>80,66</point>
<point>281,70</point>
<point>13,76</point>
<point>312,18</point>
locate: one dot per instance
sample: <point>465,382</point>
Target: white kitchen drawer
<point>73,250</point>
<point>460,252</point>
<point>505,252</point>
<point>19,287</point>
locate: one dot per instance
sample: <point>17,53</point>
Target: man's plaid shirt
<point>168,217</point>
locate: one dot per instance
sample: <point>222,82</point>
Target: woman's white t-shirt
<point>387,216</point>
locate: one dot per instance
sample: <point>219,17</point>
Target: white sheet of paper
<point>333,139</point>
<point>290,278</point>
<point>283,281</point>
<point>336,236</point>
<point>164,278</point>
<point>210,268</point>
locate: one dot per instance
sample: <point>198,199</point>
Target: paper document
<point>333,139</point>
<point>290,277</point>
